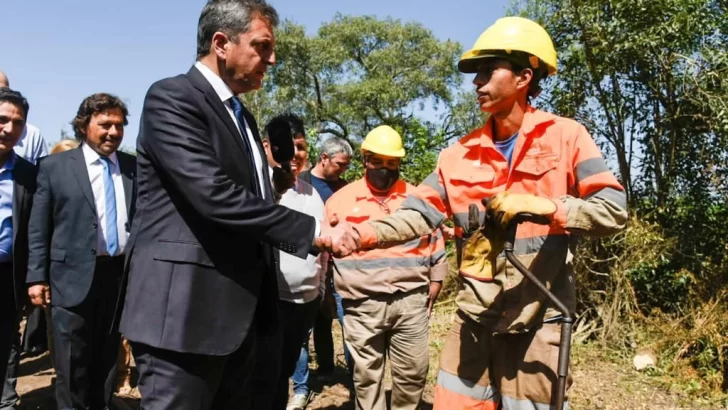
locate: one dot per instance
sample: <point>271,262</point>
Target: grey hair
<point>336,145</point>
<point>232,17</point>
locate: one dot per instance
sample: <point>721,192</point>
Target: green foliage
<point>658,287</point>
<point>360,72</point>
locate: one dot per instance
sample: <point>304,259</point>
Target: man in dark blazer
<point>17,185</point>
<point>201,276</point>
<point>77,238</point>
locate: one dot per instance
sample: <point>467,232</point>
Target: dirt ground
<point>601,382</point>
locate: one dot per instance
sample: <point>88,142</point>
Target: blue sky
<point>58,52</point>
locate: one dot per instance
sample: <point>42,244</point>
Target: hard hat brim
<point>469,64</point>
<point>400,153</point>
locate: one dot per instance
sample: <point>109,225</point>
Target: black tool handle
<point>567,320</point>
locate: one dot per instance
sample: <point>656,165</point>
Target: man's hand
<point>505,206</point>
<point>341,240</point>
<point>448,233</point>
<point>283,180</point>
<point>435,288</point>
<point>40,294</point>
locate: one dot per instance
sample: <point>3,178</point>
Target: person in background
<point>17,185</point>
<point>77,240</point>
<point>299,284</point>
<point>30,146</point>
<point>60,146</point>
<point>387,294</point>
<point>326,178</point>
<point>64,145</point>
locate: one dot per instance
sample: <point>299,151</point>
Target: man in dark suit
<point>17,185</point>
<point>77,238</point>
<point>201,275</point>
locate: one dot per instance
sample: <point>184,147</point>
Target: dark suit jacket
<point>24,175</point>
<point>63,230</point>
<point>201,268</point>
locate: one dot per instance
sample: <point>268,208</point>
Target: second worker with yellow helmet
<point>387,294</point>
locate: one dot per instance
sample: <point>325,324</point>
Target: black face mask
<point>382,179</point>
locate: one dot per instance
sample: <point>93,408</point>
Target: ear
<point>524,79</point>
<point>220,44</point>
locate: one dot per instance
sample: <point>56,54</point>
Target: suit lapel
<point>199,81</point>
<point>78,167</point>
<point>259,144</point>
<point>18,204</point>
<point>127,177</point>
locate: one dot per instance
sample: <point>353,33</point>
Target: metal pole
<point>567,321</point>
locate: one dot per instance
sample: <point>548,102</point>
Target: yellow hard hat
<point>510,36</point>
<point>384,140</point>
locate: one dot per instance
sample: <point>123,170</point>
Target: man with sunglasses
<point>387,294</point>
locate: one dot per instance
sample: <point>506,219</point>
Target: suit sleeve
<point>175,136</point>
<point>40,228</point>
<point>438,256</point>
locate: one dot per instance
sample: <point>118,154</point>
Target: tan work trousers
<point>511,372</point>
<point>396,324</point>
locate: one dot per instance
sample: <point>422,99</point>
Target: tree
<point>629,70</point>
<point>360,72</point>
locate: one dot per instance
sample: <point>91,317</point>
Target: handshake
<point>340,239</point>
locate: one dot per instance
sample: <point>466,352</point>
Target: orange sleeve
<point>430,198</point>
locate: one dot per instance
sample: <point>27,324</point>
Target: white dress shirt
<point>96,177</point>
<point>225,94</point>
<point>302,280</point>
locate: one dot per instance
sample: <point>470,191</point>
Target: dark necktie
<point>238,111</point>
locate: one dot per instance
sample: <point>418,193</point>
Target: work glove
<point>507,207</point>
<point>482,245</point>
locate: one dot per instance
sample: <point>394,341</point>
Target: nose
<point>116,131</point>
<point>272,58</point>
<point>7,128</point>
<point>481,79</point>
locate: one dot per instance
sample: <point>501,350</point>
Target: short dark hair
<point>294,123</point>
<point>520,61</point>
<point>231,17</point>
<point>94,104</point>
<point>11,96</point>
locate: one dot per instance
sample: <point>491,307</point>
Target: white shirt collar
<point>221,89</point>
<point>92,156</point>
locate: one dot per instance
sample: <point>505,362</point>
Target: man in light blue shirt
<point>31,144</point>
<point>6,209</point>
<point>17,184</point>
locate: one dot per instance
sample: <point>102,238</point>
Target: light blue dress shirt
<point>6,209</point>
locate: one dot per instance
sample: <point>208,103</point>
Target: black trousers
<point>10,395</point>
<point>8,315</point>
<point>276,355</point>
<point>184,381</point>
<point>86,350</point>
<point>34,341</point>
